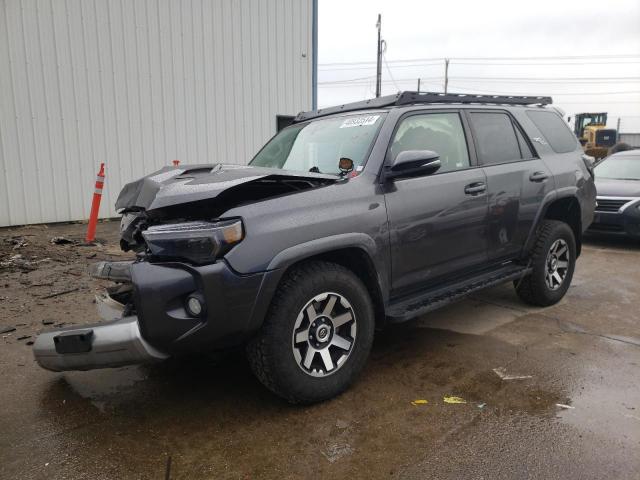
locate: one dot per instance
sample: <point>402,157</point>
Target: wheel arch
<point>566,209</point>
<point>355,251</point>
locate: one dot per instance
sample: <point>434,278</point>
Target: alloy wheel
<point>557,264</point>
<point>324,334</point>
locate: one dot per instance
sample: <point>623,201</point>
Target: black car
<point>352,217</point>
<point>618,201</point>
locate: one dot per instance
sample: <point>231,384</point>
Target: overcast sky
<point>477,35</point>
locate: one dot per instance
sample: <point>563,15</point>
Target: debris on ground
<point>64,292</point>
<point>16,242</point>
<point>502,373</point>
<point>48,321</point>
<point>337,451</point>
<point>17,261</point>
<point>23,337</point>
<point>482,405</point>
<point>61,241</point>
<point>562,405</point>
<point>30,342</point>
<point>453,399</point>
<point>420,401</point>
<point>7,329</point>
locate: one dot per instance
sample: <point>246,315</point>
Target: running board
<point>407,308</point>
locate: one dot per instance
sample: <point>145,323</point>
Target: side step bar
<point>407,308</point>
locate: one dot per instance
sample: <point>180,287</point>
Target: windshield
<point>319,145</point>
<point>621,168</point>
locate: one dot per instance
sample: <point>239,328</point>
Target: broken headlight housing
<point>198,242</point>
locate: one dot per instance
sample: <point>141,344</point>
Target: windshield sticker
<point>360,121</point>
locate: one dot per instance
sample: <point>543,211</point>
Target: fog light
<point>195,306</point>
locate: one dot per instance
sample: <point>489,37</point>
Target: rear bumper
<point>110,344</point>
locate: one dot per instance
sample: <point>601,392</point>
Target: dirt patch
<point>43,276</point>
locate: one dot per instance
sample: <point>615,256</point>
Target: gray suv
<point>352,217</point>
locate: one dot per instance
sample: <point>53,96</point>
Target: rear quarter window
<point>554,130</point>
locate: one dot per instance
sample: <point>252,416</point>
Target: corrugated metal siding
<point>632,139</point>
<point>136,84</point>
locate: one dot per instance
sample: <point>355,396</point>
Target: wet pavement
<point>575,414</point>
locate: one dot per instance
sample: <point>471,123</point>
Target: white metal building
<point>137,84</point>
<point>632,139</point>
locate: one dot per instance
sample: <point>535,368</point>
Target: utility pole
<point>379,59</point>
<point>446,74</point>
<point>418,85</point>
<point>618,131</point>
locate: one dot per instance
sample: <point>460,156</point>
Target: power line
<point>433,59</point>
<point>520,64</point>
<point>384,57</point>
<point>507,64</point>
<point>549,79</point>
<point>503,92</point>
<point>370,67</point>
<point>516,80</point>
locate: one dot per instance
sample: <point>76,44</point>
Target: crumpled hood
<point>609,187</point>
<point>191,183</point>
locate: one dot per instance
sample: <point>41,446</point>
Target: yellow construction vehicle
<point>591,129</point>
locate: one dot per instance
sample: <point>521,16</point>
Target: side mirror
<point>413,163</point>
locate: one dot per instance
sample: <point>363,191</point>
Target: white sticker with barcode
<point>359,121</point>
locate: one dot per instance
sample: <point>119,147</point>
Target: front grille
<point>608,205</point>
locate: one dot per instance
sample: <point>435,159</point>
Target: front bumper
<point>114,343</point>
<point>150,321</point>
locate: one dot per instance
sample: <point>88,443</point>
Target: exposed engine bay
<point>202,192</point>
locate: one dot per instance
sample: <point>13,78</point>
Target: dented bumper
<point>114,343</point>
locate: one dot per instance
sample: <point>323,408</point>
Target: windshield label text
<point>359,121</point>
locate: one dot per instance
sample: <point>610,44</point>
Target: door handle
<point>475,188</point>
<point>538,176</point>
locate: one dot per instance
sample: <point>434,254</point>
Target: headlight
<point>199,242</point>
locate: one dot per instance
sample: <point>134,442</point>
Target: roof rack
<point>411,98</point>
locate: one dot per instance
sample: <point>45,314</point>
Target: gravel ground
<point>573,413</point>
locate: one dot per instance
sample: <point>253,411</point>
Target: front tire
<point>317,334</point>
<point>553,262</point>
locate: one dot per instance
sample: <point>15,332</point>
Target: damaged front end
<point>176,296</point>
<point>202,193</point>
<point>115,342</point>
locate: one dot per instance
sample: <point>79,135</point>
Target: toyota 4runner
<point>353,216</point>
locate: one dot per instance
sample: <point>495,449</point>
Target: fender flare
<point>551,197</point>
<point>296,253</point>
<point>322,245</point>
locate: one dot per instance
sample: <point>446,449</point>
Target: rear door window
<point>554,130</point>
<point>495,136</point>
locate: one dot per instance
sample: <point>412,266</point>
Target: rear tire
<point>316,336</point>
<point>553,261</point>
